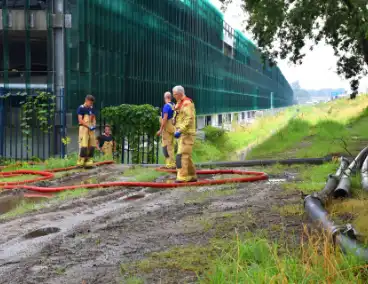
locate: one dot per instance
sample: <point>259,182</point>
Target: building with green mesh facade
<point>132,51</point>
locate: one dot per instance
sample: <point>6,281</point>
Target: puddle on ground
<point>134,197</point>
<point>41,232</point>
<point>276,180</point>
<point>10,202</point>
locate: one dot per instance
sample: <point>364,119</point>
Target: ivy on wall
<point>134,122</point>
<point>41,107</point>
<point>38,109</point>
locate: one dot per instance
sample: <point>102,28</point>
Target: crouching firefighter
<point>106,143</point>
<point>167,131</point>
<point>87,126</point>
<point>185,133</point>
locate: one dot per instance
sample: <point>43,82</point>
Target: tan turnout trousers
<point>185,123</point>
<point>168,144</point>
<point>87,143</point>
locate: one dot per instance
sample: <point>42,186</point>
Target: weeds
<point>52,163</point>
<point>291,210</point>
<point>70,194</point>
<point>193,259</point>
<point>250,259</point>
<point>256,260</point>
<point>18,178</point>
<point>314,131</point>
<point>311,178</point>
<point>318,131</point>
<point>141,174</point>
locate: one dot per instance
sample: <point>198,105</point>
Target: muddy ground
<point>86,240</point>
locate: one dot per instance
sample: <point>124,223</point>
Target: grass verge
<point>334,127</point>
<point>251,259</point>
<point>256,260</point>
<point>141,174</point>
<point>299,131</point>
<point>52,163</point>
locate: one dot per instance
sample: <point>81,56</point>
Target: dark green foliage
<point>37,110</point>
<point>218,137</point>
<point>132,122</point>
<point>293,24</point>
<point>130,119</point>
<point>214,135</point>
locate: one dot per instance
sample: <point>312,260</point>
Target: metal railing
<point>25,137</point>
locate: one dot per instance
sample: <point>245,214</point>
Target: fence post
<point>123,150</point>
<point>271,100</point>
<point>157,149</point>
<point>62,123</point>
<point>1,124</point>
<point>59,62</point>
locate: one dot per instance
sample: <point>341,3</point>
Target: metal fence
<point>24,136</point>
<point>31,132</point>
<point>143,149</point>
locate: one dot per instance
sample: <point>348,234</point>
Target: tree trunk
<point>365,49</point>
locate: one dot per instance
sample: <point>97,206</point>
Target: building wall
<point>133,51</point>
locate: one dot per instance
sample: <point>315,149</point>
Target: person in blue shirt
<point>167,131</point>
<point>106,143</point>
<point>87,126</point>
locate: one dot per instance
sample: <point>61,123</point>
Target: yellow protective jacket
<point>185,120</point>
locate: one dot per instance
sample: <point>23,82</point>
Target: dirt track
<point>94,235</point>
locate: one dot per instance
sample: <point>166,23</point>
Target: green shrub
<point>215,135</point>
<point>217,145</point>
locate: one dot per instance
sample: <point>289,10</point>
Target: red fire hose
<point>47,175</point>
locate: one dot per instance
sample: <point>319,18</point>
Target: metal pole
<point>271,100</point>
<point>59,48</point>
<point>59,65</point>
<point>2,138</point>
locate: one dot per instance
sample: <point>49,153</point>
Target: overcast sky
<point>318,70</point>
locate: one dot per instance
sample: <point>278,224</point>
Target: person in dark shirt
<point>87,126</point>
<point>106,143</point>
<point>167,130</point>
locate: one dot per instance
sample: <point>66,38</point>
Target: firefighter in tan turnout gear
<point>167,131</point>
<point>87,127</point>
<point>185,133</point>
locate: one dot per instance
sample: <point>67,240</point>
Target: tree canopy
<point>282,28</point>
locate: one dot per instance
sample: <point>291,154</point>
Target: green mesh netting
<point>132,51</point>
<point>26,54</point>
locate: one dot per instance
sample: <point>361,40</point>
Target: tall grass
<point>334,127</point>
<point>257,260</point>
<point>141,174</point>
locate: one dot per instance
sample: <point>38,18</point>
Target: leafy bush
<point>133,122</point>
<point>216,146</point>
<point>215,135</point>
